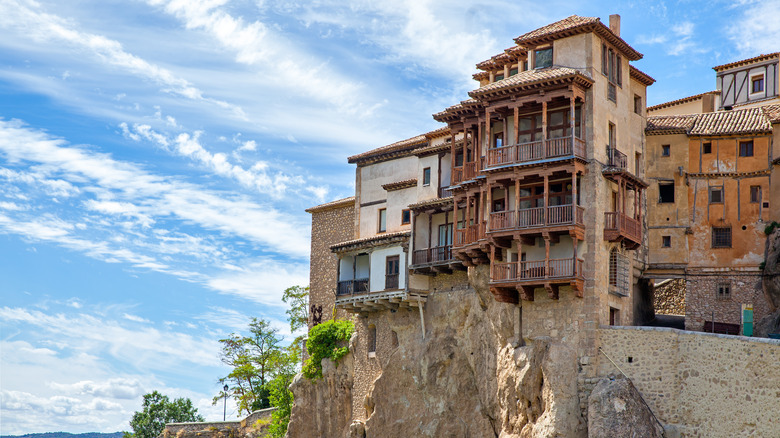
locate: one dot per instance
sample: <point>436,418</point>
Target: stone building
<point>554,188</point>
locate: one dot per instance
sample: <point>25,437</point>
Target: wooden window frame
<point>723,241</point>
<point>757,80</point>
<point>711,191</point>
<point>746,148</point>
<point>392,279</point>
<point>379,227</point>
<point>426,176</point>
<point>666,150</point>
<point>723,291</point>
<point>406,216</point>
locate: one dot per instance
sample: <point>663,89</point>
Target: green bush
<point>329,339</point>
<point>771,227</point>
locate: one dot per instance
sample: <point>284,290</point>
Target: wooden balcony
<point>536,218</point>
<point>471,245</point>
<point>350,287</point>
<point>619,227</point>
<point>435,260</point>
<point>470,234</point>
<point>507,279</point>
<point>367,302</point>
<point>536,151</point>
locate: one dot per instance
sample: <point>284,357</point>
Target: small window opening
<point>666,193</point>
<point>721,237</point>
<point>637,105</point>
<point>716,195</point>
<point>707,148</point>
<point>614,316</point>
<point>666,241</point>
<point>666,150</point>
<point>382,220</point>
<point>543,58</point>
<point>427,176</point>
<point>746,148</point>
<point>757,84</point>
<point>371,339</point>
<point>724,291</point>
<point>406,217</point>
<point>755,194</point>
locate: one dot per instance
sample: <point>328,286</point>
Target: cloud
<point>756,29</point>
<point>121,388</point>
<point>135,318</point>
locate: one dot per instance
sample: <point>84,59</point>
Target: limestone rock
<point>615,410</point>
<point>323,408</point>
<point>771,280</point>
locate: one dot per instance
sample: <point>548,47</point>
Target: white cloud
<point>755,30</point>
<point>135,318</point>
<point>121,388</point>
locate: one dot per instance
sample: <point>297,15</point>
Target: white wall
<point>378,264</point>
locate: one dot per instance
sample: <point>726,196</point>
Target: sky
<point>156,159</point>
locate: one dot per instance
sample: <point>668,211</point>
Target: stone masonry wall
<point>328,226</point>
<point>701,299</point>
<point>669,297</point>
<point>701,384</point>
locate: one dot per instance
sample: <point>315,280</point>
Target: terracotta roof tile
<point>772,112</point>
<point>752,60</point>
<point>431,202</point>
<point>640,76</point>
<point>333,204</point>
<point>745,121</point>
<point>676,124</point>
<point>398,185</point>
<point>528,78</point>
<point>681,101</point>
<point>380,239</point>
<point>574,25</point>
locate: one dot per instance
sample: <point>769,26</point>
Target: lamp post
<point>224,410</point>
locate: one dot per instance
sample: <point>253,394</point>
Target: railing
<point>457,174</point>
<point>536,150</point>
<point>436,254</point>
<point>619,222</point>
<point>391,281</point>
<point>536,270</point>
<point>445,192</point>
<point>469,171</point>
<point>616,158</point>
<point>470,234</point>
<point>349,287</point>
<point>534,217</point>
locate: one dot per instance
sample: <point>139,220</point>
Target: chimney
<point>614,24</point>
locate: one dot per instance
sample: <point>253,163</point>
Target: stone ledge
<point>689,332</point>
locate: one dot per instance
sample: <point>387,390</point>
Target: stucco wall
<point>705,385</point>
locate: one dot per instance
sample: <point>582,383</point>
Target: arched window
<point>372,338</point>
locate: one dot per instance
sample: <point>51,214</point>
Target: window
<point>666,241</point>
<point>543,58</point>
<point>724,291</point>
<point>513,71</point>
<point>406,217</point>
<point>666,193</point>
<point>706,148</point>
<point>498,77</point>
<point>637,105</point>
<point>612,136</point>
<point>614,316</point>
<point>611,67</point>
<point>427,176</point>
<point>498,140</point>
<point>757,84</point>
<point>746,148</point>
<point>755,194</point>
<point>391,272</point>
<point>716,195</point>
<point>382,220</point>
<point>666,150</point>
<point>371,339</point>
<point>498,204</point>
<point>721,237</point>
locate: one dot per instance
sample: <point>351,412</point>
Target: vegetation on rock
<point>326,340</point>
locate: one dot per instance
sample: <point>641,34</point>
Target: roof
<point>436,148</point>
<point>529,78</point>
<point>752,60</point>
<point>398,185</point>
<point>431,203</point>
<point>331,205</point>
<point>735,122</point>
<point>746,121</point>
<point>640,76</point>
<point>681,101</point>
<point>367,242</point>
<point>575,25</point>
<point>407,144</point>
<point>498,61</point>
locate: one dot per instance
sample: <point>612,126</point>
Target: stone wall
<point>702,301</point>
<point>330,224</point>
<point>701,384</point>
<point>669,297</point>
<point>255,425</point>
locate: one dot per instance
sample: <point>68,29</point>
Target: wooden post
<point>571,121</point>
<point>546,254</point>
<point>489,204</point>
<point>517,125</point>
<point>574,244</point>
<point>430,232</point>
<point>517,200</point>
<point>574,194</point>
<point>546,194</point>
<point>463,168</point>
<point>544,123</point>
<point>452,154</point>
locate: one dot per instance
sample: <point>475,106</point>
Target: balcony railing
<point>621,224</point>
<point>436,254</point>
<point>457,174</point>
<point>536,150</point>
<point>470,234</point>
<point>536,270</point>
<point>349,287</point>
<point>391,281</point>
<point>535,217</point>
<point>616,158</point>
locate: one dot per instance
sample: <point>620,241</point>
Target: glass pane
<point>556,118</point>
<point>544,58</point>
<point>525,192</point>
<point>525,124</point>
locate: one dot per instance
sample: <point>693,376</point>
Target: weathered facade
<point>539,215</point>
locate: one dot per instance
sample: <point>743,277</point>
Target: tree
<point>285,367</point>
<point>159,410</point>
<point>298,313</point>
<point>251,358</point>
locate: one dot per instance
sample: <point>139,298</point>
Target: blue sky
<point>156,158</point>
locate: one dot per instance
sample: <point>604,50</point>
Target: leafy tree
<point>298,313</point>
<point>251,358</point>
<point>285,367</point>
<point>159,410</point>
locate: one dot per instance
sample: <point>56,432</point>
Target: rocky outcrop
<point>616,410</point>
<point>771,283</point>
<point>669,297</point>
<point>323,408</point>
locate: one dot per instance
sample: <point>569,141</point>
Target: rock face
<point>771,284</point>
<point>615,410</point>
<point>669,297</point>
<point>465,379</point>
<point>323,408</point>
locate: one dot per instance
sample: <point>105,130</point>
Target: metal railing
<point>349,287</point>
<point>536,270</point>
<point>436,254</point>
<point>616,158</point>
<point>535,217</point>
<point>624,225</point>
<point>536,150</point>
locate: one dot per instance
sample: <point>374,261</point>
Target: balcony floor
<point>382,300</point>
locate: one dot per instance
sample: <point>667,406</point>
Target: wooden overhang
<point>509,56</point>
<point>531,80</point>
<point>465,109</point>
<point>341,203</point>
<point>432,206</point>
<point>575,25</point>
<point>641,77</point>
<point>400,185</point>
<point>613,173</point>
<point>435,148</point>
<point>371,242</point>
<point>755,59</point>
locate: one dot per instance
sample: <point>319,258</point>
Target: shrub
<point>771,227</point>
<point>329,339</point>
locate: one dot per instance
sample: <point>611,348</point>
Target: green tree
<point>159,410</point>
<point>297,297</point>
<point>285,367</point>
<point>251,358</point>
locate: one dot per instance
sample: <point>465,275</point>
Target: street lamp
<point>224,410</point>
